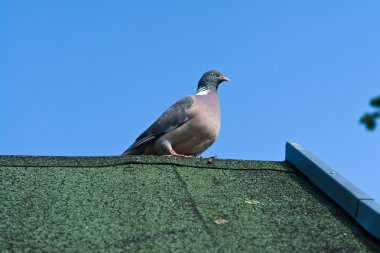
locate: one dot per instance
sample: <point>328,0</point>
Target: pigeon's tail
<point>131,152</point>
<point>126,152</point>
<point>139,150</point>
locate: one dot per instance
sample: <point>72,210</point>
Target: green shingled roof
<point>166,204</point>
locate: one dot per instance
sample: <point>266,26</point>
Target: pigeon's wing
<point>172,118</point>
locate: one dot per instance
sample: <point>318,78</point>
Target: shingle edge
<point>354,201</point>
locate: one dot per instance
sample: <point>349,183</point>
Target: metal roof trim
<point>355,202</point>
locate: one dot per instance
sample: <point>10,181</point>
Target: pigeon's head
<point>211,80</point>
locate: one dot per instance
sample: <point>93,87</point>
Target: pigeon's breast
<point>207,115</point>
<point>197,134</point>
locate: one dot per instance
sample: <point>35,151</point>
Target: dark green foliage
<point>164,204</point>
<point>375,102</point>
<point>369,119</point>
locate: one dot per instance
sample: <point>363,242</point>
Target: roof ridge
<point>110,161</point>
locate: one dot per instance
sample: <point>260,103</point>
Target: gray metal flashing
<point>368,215</point>
<point>354,201</point>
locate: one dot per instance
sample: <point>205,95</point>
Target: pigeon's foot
<point>173,153</point>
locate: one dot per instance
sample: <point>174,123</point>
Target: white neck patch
<point>202,92</point>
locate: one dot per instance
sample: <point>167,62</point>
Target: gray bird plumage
<point>188,127</point>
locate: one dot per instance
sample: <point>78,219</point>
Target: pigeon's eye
<point>213,74</point>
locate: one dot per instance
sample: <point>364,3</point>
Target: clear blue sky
<point>87,77</point>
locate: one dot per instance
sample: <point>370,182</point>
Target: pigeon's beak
<point>224,78</point>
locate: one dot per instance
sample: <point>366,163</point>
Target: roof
<point>162,204</point>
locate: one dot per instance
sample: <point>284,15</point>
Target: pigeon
<point>188,127</point>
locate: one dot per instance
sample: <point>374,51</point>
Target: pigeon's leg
<point>167,145</point>
<point>173,153</point>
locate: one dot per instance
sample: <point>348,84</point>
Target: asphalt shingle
<point>166,204</point>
